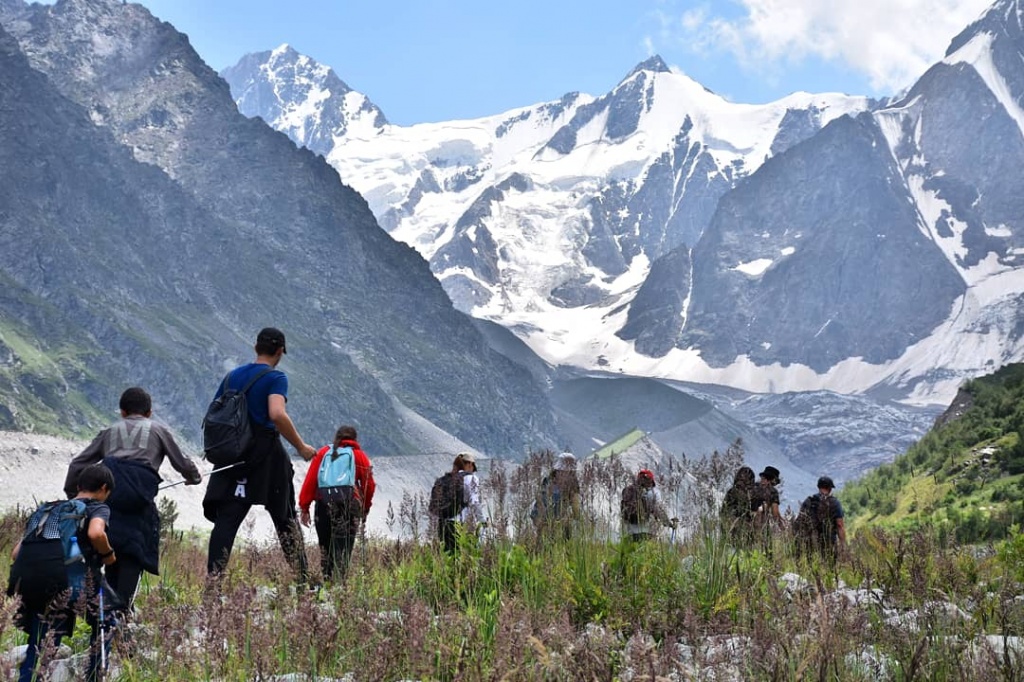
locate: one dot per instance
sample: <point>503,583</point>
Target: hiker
<point>766,495</point>
<point>558,500</point>
<point>455,500</point>
<point>340,479</point>
<point>739,507</point>
<point>56,570</point>
<point>133,448</point>
<point>641,508</point>
<point>767,517</point>
<point>265,475</point>
<point>820,525</point>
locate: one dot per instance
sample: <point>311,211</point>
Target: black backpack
<point>739,504</point>
<point>447,496</point>
<point>226,428</point>
<point>816,520</point>
<point>50,559</point>
<point>634,506</point>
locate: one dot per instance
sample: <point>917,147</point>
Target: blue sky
<point>432,60</point>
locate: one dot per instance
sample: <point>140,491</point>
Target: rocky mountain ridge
<point>821,242</point>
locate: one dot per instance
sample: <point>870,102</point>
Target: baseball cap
<point>646,473</point>
<point>826,483</point>
<point>468,457</point>
<point>771,473</point>
<point>272,336</point>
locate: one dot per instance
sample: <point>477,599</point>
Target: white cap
<point>565,462</point>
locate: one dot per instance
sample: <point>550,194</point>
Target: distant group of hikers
<point>86,555</point>
<point>751,517</point>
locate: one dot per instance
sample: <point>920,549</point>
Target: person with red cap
<point>642,509</point>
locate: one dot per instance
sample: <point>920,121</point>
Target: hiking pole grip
<point>201,476</point>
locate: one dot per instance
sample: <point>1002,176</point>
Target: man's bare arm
<point>279,415</point>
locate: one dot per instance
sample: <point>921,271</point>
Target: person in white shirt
<point>473,514</point>
<point>460,509</point>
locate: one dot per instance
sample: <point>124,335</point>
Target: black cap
<point>272,336</point>
<point>771,473</point>
<point>826,483</point>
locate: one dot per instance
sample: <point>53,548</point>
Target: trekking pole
<point>103,633</point>
<point>362,543</point>
<point>202,476</point>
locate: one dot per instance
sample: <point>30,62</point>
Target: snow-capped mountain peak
<point>543,214</point>
<point>820,241</point>
<point>303,98</point>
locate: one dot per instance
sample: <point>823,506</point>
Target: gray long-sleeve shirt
<point>134,438</point>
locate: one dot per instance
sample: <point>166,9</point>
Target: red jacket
<point>364,477</point>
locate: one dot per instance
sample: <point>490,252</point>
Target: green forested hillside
<point>966,476</point>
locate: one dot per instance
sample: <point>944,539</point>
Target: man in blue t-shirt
<point>265,477</point>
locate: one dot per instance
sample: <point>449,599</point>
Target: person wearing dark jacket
<point>265,477</point>
<point>133,448</point>
<point>739,508</point>
<point>338,521</point>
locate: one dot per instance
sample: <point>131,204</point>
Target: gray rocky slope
<point>149,230</point>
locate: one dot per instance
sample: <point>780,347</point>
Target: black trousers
<point>229,518</point>
<point>448,530</point>
<point>124,576</point>
<point>337,525</point>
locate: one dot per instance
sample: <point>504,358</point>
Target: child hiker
<point>56,571</point>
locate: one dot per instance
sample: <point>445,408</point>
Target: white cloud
<point>891,42</point>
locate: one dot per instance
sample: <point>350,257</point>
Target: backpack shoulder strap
<point>45,510</point>
<point>256,378</point>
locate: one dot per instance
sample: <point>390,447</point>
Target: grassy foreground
<point>585,608</point>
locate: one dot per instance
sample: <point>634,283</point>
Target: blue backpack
<point>51,537</point>
<point>336,478</point>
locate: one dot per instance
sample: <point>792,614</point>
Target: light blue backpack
<point>336,478</point>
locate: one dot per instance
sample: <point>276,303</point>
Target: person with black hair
<point>265,476</point>
<point>820,526</point>
<point>133,448</point>
<point>40,573</point>
<point>766,496</point>
<point>739,508</point>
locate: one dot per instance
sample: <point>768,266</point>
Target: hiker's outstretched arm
<point>182,464</point>
<point>279,415</point>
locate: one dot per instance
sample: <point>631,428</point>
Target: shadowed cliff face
<point>153,229</point>
<point>848,271</point>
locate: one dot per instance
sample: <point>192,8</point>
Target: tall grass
<point>523,605</point>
